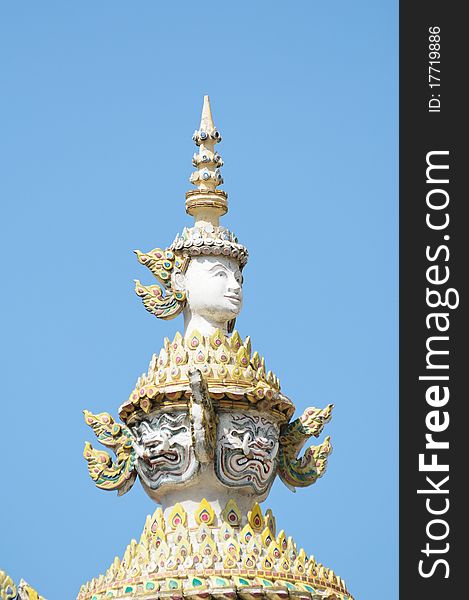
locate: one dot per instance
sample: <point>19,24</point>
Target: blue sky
<point>98,105</point>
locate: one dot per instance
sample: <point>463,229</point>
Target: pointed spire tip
<point>206,121</point>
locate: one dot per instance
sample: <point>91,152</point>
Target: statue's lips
<point>233,298</point>
<point>256,453</point>
<point>260,453</point>
<point>265,463</point>
<point>161,457</point>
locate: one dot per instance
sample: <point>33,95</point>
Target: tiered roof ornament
<point>10,591</point>
<point>206,430</point>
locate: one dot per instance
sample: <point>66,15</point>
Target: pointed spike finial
<point>206,203</point>
<point>206,120</point>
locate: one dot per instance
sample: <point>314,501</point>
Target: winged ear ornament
<point>107,474</point>
<point>165,302</point>
<point>303,471</point>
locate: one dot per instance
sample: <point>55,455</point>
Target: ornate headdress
<point>206,238</point>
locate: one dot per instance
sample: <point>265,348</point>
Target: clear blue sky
<point>98,104</point>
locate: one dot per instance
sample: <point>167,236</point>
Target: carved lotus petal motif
<point>178,516</point>
<point>242,357</point>
<point>246,533</point>
<point>235,341</point>
<point>232,514</point>
<point>196,340</point>
<point>255,518</point>
<point>203,533</point>
<point>269,520</point>
<point>204,513</point>
<point>217,339</point>
<point>282,540</point>
<point>267,537</point>
<point>225,532</point>
<point>222,354</point>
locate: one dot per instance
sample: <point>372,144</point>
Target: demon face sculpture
<point>164,449</point>
<point>246,452</point>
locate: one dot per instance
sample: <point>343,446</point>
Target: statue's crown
<point>235,376</point>
<point>206,238</point>
<point>206,203</point>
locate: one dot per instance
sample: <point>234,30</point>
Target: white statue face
<point>213,286</point>
<point>164,449</point>
<point>247,448</point>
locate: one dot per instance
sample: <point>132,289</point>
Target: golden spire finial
<point>206,203</point>
<point>206,121</point>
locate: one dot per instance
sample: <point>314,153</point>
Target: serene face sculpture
<point>213,289</point>
<point>247,447</point>
<point>164,449</point>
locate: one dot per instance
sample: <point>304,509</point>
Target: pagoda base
<point>224,557</point>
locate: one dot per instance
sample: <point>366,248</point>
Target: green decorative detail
<point>173,584</point>
<point>196,582</point>
<point>266,583</point>
<point>166,302</point>
<point>243,581</point>
<point>128,590</point>
<point>149,585</point>
<point>302,471</point>
<point>221,582</point>
<point>117,475</point>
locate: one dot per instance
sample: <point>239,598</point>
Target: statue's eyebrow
<point>217,266</point>
<point>220,265</point>
<point>167,419</point>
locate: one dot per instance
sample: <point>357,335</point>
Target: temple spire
<point>206,431</point>
<point>206,121</point>
<point>206,203</point>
